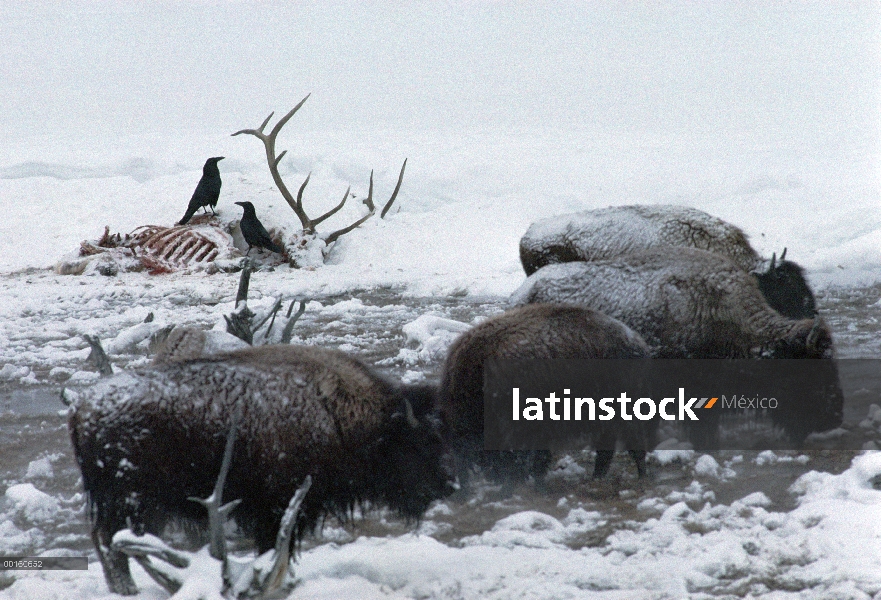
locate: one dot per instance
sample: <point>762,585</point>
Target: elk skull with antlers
<point>296,204</point>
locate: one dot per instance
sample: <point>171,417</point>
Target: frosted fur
<point>609,232</point>
<point>537,331</point>
<point>616,230</point>
<point>688,303</point>
<point>186,343</point>
<point>530,332</point>
<point>147,441</point>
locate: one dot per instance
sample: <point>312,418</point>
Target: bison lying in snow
<point>687,304</point>
<point>610,232</point>
<point>147,442</point>
<point>531,332</point>
<point>695,304</point>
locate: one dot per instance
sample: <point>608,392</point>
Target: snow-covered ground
<point>680,544</point>
<point>767,116</point>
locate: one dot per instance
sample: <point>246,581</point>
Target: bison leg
<point>605,450</point>
<point>540,462</point>
<point>639,460</point>
<point>463,476</point>
<point>602,463</point>
<point>115,564</point>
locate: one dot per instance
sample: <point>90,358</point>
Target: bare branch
<point>217,511</point>
<point>244,283</point>
<point>336,234</point>
<point>167,581</point>
<point>239,325</point>
<point>272,160</point>
<point>275,308</point>
<point>238,322</point>
<point>142,547</point>
<point>368,201</point>
<point>289,327</point>
<point>296,204</point>
<point>281,123</point>
<point>263,125</point>
<point>149,545</point>
<point>280,156</point>
<point>300,193</point>
<point>97,356</point>
<point>391,200</point>
<point>276,576</point>
<point>334,210</point>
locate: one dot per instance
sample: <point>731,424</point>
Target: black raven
<point>207,191</point>
<point>253,231</point>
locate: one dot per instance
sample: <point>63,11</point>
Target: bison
<point>148,441</point>
<point>610,232</point>
<point>695,304</point>
<point>539,331</point>
<point>687,304</point>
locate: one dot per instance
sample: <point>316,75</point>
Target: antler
<point>297,203</point>
<point>273,160</point>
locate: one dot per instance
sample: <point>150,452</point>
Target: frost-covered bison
<point>148,441</point>
<point>687,304</point>
<point>609,232</point>
<point>696,304</point>
<point>538,331</point>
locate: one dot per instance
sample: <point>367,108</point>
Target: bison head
<point>786,290</point>
<point>411,457</point>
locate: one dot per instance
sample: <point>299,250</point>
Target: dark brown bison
<point>540,331</point>
<point>610,232</point>
<point>148,441</point>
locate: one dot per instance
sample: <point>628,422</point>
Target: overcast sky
<point>773,70</point>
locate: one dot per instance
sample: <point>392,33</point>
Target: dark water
<point>32,429</point>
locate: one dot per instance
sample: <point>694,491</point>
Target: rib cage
<point>156,249</point>
<point>179,247</point>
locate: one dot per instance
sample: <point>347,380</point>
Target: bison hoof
<point>122,584</point>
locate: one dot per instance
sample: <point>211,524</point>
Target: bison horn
<point>783,255</point>
<point>773,263</point>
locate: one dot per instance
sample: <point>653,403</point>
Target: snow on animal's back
<point>688,303</point>
<point>277,382</point>
<point>608,232</point>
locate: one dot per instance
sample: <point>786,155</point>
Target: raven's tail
<point>189,215</point>
<point>276,248</point>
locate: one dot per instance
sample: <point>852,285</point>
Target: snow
<point>433,334</point>
<point>707,466</point>
<point>31,502</point>
<point>744,548</point>
<point>40,468</point>
<point>766,116</point>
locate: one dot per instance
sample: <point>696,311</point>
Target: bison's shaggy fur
<point>146,442</point>
<point>697,304</point>
<point>540,331</point>
<point>687,304</point>
<point>617,230</point>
